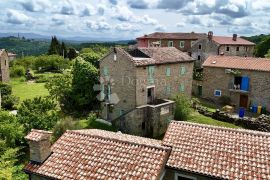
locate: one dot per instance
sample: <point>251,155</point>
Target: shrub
<point>182,108</point>
<point>9,102</point>
<point>17,71</point>
<point>225,100</point>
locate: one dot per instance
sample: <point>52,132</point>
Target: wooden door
<point>243,101</point>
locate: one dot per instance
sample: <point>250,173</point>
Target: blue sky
<point>125,19</point>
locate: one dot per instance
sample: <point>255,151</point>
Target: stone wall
<point>243,50</point>
<point>217,79</point>
<point>176,43</point>
<point>147,120</point>
<point>262,123</point>
<point>4,67</point>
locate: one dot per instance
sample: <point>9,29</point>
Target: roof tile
<point>180,36</point>
<point>225,40</point>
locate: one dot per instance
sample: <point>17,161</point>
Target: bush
<point>9,102</point>
<point>182,108</point>
<point>17,71</point>
<point>225,100</point>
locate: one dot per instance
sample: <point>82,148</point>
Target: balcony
<point>236,88</point>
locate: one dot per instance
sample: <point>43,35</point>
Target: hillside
<point>262,44</point>
<point>25,46</point>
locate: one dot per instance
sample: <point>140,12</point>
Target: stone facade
<point>4,63</point>
<point>217,79</point>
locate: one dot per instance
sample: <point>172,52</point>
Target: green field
<point>201,119</point>
<point>27,90</point>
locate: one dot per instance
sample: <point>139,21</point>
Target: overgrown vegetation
<point>182,107</point>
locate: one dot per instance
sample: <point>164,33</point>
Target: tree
<point>50,63</point>
<point>93,58</point>
<point>263,47</point>
<point>38,113</point>
<point>54,46</point>
<point>72,53</point>
<point>268,54</point>
<point>182,108</point>
<point>63,50</point>
<point>85,76</point>
<point>8,100</point>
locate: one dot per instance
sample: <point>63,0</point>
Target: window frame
<point>170,42</point>
<point>182,44</point>
<point>168,71</point>
<point>183,70</point>
<point>184,176</point>
<point>215,93</point>
<point>227,48</point>
<point>237,48</point>
<point>105,71</point>
<point>182,88</point>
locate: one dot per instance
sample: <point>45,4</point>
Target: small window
<point>200,46</point>
<point>170,43</point>
<point>167,90</point>
<point>191,43</point>
<point>168,71</point>
<point>5,62</point>
<point>182,70</point>
<point>182,44</point>
<point>246,49</point>
<point>217,93</point>
<point>237,48</point>
<point>199,57</point>
<point>227,48</point>
<point>105,71</point>
<point>182,88</point>
<point>143,125</point>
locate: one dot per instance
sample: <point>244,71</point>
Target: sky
<point>128,19</point>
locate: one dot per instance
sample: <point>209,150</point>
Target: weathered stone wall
<point>123,73</point>
<point>147,120</point>
<point>217,79</point>
<point>4,67</point>
<point>243,50</point>
<point>161,81</point>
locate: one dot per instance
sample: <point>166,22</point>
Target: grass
<point>95,125</point>
<point>25,90</point>
<point>201,119</point>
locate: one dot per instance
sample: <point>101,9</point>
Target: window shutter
<point>102,95</point>
<point>182,88</point>
<point>105,71</point>
<point>167,90</point>
<point>151,70</point>
<point>168,71</point>
<point>109,92</point>
<point>182,70</point>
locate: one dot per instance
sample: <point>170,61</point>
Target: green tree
<point>263,47</point>
<point>268,54</point>
<point>63,50</point>
<point>85,76</point>
<point>8,100</point>
<point>38,113</point>
<point>72,53</point>
<point>182,108</point>
<point>50,63</point>
<point>93,58</point>
<point>54,46</point>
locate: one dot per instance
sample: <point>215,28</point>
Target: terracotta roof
<point>97,154</point>
<point>162,35</point>
<point>37,135</point>
<point>229,41</point>
<point>161,55</point>
<point>218,152</point>
<point>236,62</point>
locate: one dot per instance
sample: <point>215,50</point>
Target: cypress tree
<point>63,49</point>
<point>54,46</point>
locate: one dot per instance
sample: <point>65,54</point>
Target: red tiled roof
<point>97,154</point>
<point>161,55</point>
<point>229,41</point>
<point>180,36</point>
<point>236,62</point>
<point>37,135</point>
<point>218,152</point>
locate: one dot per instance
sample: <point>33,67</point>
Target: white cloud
<point>127,27</point>
<point>16,17</point>
<point>100,25</point>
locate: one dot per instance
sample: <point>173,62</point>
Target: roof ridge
<point>240,130</point>
<point>121,140</point>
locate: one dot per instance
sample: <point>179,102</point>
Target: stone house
<point>11,56</point>
<point>220,45</point>
<point>137,83</point>
<point>4,65</point>
<point>188,151</point>
<point>246,80</point>
<point>181,41</point>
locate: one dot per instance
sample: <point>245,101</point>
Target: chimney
<point>210,35</point>
<point>234,37</point>
<point>39,144</point>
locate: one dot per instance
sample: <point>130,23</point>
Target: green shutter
<point>182,88</point>
<point>168,71</point>
<point>167,90</point>
<point>182,44</point>
<point>182,70</point>
<point>102,92</point>
<point>105,71</point>
<point>151,70</point>
<point>109,92</point>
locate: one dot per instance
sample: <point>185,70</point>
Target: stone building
<point>181,41</point>
<point>246,80</point>
<point>4,65</point>
<point>11,56</point>
<point>188,151</point>
<point>220,45</point>
<point>137,83</point>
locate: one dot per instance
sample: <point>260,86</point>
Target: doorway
<point>150,95</point>
<point>243,101</point>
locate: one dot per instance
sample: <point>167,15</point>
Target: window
<point>105,71</point>
<point>168,71</point>
<point>151,70</point>
<point>167,90</point>
<point>5,62</point>
<point>217,93</point>
<point>200,46</point>
<point>237,48</point>
<point>182,88</point>
<point>246,49</point>
<point>102,95</point>
<point>227,48</point>
<point>191,43</point>
<point>184,177</point>
<point>199,57</point>
<point>170,43</point>
<point>143,125</point>
<point>182,70</point>
<point>182,44</point>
